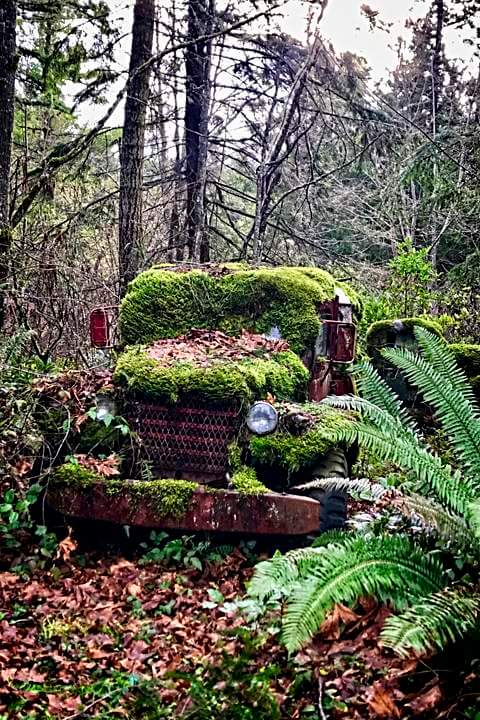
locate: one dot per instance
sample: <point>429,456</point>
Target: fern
<point>447,394</point>
<point>450,527</point>
<point>372,387</point>
<point>397,569</point>
<point>436,351</point>
<point>447,484</point>
<point>281,572</point>
<point>377,416</point>
<point>390,568</point>
<point>362,486</point>
<point>432,622</point>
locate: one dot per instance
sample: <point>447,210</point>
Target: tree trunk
<point>132,146</point>
<point>197,107</point>
<point>8,17</point>
<point>437,82</point>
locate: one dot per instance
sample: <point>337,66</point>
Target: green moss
<point>283,375</point>
<point>71,473</point>
<point>170,497</point>
<point>378,330</point>
<point>234,456</point>
<point>245,480</point>
<point>468,358</point>
<point>390,333</point>
<point>295,452</point>
<point>161,303</point>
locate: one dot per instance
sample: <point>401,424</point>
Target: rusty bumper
<point>220,511</point>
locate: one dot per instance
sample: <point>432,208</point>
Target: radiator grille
<point>191,438</point>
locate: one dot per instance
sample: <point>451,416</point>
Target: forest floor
<point>113,635</point>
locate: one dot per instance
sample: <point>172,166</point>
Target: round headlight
<point>262,418</point>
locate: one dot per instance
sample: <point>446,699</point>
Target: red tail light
<point>100,328</point>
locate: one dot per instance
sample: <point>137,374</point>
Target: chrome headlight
<point>262,418</point>
<point>105,406</point>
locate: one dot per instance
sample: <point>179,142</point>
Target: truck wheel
<point>333,505</point>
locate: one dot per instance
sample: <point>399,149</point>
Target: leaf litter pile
<point>109,636</point>
<point>204,347</point>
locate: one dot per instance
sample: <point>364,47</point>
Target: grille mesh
<point>191,438</point>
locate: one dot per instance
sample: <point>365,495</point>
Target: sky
<point>343,25</point>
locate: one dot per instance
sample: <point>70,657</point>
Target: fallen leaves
<point>426,701</point>
<point>66,547</point>
<point>108,467</point>
<point>205,347</point>
<point>381,702</point>
<point>116,618</point>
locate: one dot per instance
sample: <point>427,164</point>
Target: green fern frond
<point>376,415</point>
<point>331,537</point>
<point>358,486</point>
<point>433,622</point>
<point>389,568</point>
<point>436,351</point>
<point>280,572</point>
<point>450,527</point>
<point>451,489</point>
<point>373,387</point>
<point>454,411</point>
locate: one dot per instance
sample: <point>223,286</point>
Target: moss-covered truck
<point>219,375</point>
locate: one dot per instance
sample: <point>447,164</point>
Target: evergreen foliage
<point>398,569</point>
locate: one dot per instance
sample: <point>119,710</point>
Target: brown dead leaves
<point>62,629</point>
<point>108,467</point>
<point>204,347</point>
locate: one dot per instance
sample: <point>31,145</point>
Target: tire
<point>333,505</point>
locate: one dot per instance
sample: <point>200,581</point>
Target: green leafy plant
<point>186,551</point>
<point>234,689</point>
<point>411,279</point>
<point>400,569</point>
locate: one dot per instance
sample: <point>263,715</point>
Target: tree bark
<point>132,146</point>
<point>8,17</point>
<point>197,107</point>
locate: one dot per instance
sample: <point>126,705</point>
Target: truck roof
<point>169,300</point>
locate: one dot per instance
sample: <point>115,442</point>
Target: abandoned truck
<point>219,373</point>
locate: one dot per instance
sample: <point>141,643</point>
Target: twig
<point>321,712</point>
<point>87,707</point>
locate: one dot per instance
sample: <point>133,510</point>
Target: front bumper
<point>219,511</point>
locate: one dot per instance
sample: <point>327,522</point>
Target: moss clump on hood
<point>292,451</point>
<point>245,481</point>
<point>162,303</point>
<point>283,375</point>
<point>170,497</point>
